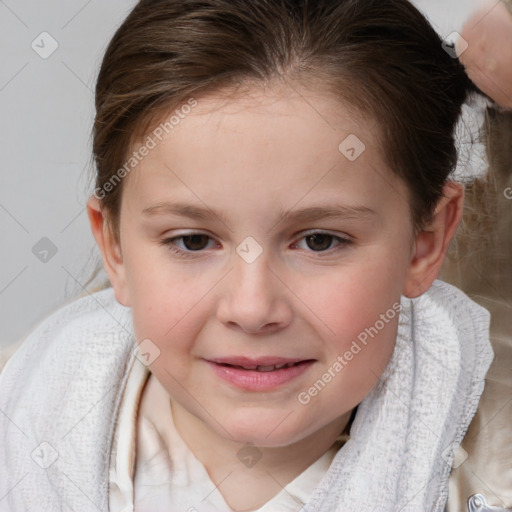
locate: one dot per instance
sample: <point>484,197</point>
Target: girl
<point>273,204</point>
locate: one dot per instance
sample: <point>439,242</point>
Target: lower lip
<point>253,380</point>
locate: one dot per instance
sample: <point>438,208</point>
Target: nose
<point>254,298</point>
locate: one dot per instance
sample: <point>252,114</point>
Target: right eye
<point>192,243</point>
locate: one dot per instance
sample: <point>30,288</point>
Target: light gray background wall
<point>46,114</point>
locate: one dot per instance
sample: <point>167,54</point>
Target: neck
<point>249,476</point>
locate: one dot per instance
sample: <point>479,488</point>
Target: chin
<point>271,430</point>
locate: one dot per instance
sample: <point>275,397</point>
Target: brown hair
<point>380,56</point>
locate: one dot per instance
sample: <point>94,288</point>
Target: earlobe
<point>110,250</point>
<point>431,244</point>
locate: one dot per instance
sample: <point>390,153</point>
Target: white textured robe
<point>60,393</point>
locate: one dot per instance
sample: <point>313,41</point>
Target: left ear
<point>432,243</point>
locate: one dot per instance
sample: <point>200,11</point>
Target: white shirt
<point>153,470</point>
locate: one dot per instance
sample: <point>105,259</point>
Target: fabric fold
<point>60,394</point>
<point>408,429</point>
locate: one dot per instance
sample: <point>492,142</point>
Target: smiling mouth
<point>263,374</point>
<point>267,368</point>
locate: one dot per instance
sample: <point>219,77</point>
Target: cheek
<point>355,356</point>
<point>164,303</point>
<point>167,313</point>
<point>161,294</point>
<point>348,301</point>
<point>358,312</point>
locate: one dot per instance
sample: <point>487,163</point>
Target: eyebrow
<point>313,213</point>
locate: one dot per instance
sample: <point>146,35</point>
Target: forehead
<point>270,144</point>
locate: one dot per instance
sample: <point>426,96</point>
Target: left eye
<point>320,242</point>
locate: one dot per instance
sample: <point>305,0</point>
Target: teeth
<point>273,367</point>
<point>262,368</point>
<point>266,368</point>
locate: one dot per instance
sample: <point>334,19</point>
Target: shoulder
<point>63,385</point>
<point>75,327</point>
<point>455,303</point>
<point>447,311</point>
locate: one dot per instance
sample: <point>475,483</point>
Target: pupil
<point>317,238</point>
<point>195,242</point>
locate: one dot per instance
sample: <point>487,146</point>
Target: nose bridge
<point>253,297</point>
<point>252,265</point>
<point>252,277</point>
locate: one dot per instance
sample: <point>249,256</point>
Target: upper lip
<point>257,361</point>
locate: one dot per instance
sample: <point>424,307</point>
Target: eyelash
<point>169,243</point>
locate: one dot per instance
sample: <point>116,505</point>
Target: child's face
<point>232,168</point>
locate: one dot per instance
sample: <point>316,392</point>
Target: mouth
<point>263,368</point>
<point>260,364</point>
<point>263,374</point>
